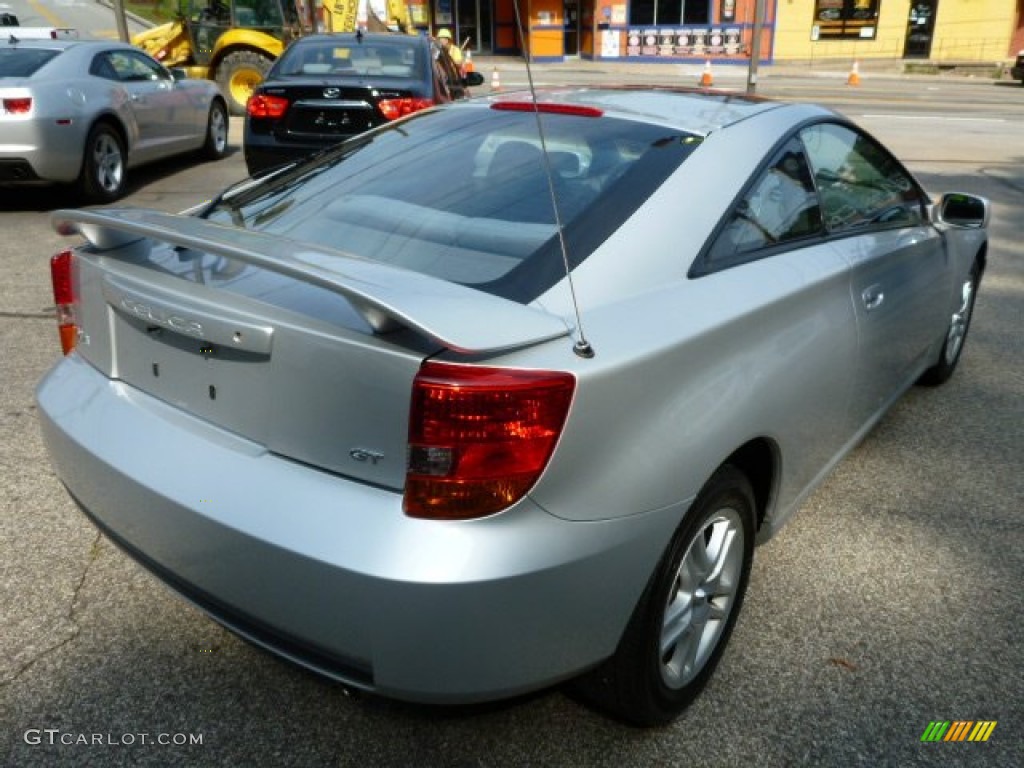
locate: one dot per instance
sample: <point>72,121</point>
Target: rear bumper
<point>263,151</point>
<point>330,573</point>
<point>36,150</point>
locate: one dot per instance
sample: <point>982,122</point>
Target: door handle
<point>872,297</point>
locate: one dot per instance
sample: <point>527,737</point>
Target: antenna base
<point>583,349</point>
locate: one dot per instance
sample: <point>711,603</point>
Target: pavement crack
<point>71,615</point>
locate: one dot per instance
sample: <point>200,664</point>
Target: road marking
<point>47,14</point>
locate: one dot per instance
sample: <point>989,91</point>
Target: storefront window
<point>670,12</point>
<point>845,19</point>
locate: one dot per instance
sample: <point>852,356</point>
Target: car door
<point>798,334</point>
<point>165,116</point>
<point>877,218</point>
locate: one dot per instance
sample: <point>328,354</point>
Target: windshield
<point>462,194</point>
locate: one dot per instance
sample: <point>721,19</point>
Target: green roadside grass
<point>156,11</point>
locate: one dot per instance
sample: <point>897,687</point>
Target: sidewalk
<point>515,67</point>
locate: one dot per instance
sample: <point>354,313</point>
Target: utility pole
<point>122,22</point>
<point>755,47</point>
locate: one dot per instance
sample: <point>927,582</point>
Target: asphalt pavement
<point>890,601</point>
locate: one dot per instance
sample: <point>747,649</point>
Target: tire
<point>680,627</point>
<point>238,74</point>
<point>216,145</point>
<point>956,333</point>
<point>103,175</point>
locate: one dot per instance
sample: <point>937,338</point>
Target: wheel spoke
<point>718,581</point>
<point>677,622</point>
<point>959,321</point>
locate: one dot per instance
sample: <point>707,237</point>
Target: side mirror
<point>177,73</point>
<point>963,210</point>
<point>473,78</point>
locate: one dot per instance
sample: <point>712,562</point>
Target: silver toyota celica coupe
<point>504,393</point>
<point>83,112</point>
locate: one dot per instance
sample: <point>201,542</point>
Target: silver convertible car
<point>462,408</point>
<point>85,111</point>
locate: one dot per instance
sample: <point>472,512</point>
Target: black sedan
<point>326,88</point>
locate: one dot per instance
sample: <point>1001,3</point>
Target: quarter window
<point>780,206</point>
<point>860,184</point>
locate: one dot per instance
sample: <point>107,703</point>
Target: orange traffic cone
<point>468,63</point>
<point>495,81</point>
<point>706,80</point>
<point>854,78</point>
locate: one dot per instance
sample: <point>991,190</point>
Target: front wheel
<point>238,74</point>
<point>956,333</point>
<point>682,623</point>
<point>102,178</point>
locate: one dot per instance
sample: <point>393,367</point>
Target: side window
<point>101,67</point>
<point>781,205</point>
<point>859,182</point>
<point>133,68</point>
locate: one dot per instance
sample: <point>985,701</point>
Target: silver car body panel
<point>234,509</point>
<point>292,552</point>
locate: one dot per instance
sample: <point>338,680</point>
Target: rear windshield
<point>463,194</point>
<point>350,58</point>
<point>23,62</point>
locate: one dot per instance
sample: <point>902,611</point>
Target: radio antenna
<point>581,346</point>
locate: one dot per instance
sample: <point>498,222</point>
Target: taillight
<point>262,105</point>
<point>18,106</point>
<point>396,108</point>
<point>61,274</point>
<point>480,437</point>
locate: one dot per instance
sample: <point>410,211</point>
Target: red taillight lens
<point>480,437</point>
<point>262,105</point>
<point>18,106</point>
<point>556,109</point>
<point>61,274</point>
<point>396,108</point>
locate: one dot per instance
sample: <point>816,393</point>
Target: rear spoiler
<point>41,33</point>
<point>387,297</point>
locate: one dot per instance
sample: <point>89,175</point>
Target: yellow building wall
<point>965,30</point>
<point>973,30</point>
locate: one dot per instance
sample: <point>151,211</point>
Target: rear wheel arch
<point>681,623</point>
<point>759,461</point>
<point>113,122</point>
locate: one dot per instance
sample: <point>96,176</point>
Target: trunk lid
<point>336,109</point>
<point>306,351</point>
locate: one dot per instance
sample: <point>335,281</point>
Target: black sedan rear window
<point>463,194</point>
<point>343,58</point>
<point>23,62</point>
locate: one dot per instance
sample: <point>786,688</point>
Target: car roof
<point>59,44</point>
<point>363,37</point>
<point>698,111</point>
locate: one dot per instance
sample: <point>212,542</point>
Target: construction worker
<point>444,36</point>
